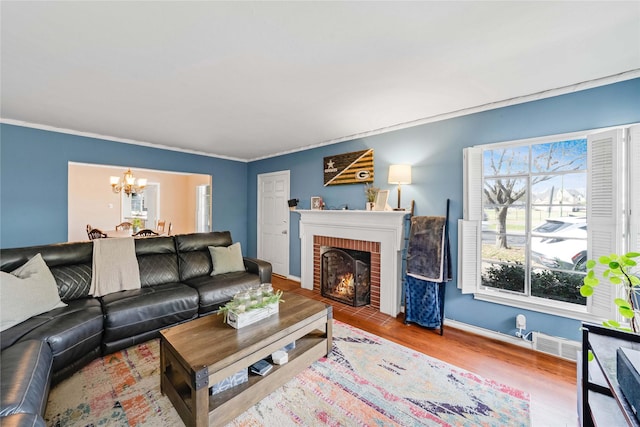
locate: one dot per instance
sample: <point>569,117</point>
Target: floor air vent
<point>556,346</point>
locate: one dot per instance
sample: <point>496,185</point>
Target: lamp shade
<point>400,174</point>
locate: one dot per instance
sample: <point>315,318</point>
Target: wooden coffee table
<point>197,354</point>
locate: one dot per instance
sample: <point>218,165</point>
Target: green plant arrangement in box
<point>619,272</point>
<point>253,299</point>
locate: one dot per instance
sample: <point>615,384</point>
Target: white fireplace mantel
<point>386,227</point>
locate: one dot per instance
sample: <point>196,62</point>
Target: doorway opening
<point>144,206</point>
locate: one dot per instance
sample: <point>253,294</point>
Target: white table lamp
<point>399,174</point>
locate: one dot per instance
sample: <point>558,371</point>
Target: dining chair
<point>96,233</point>
<point>89,228</point>
<point>124,226</point>
<point>170,229</point>
<point>160,226</point>
<point>145,233</point>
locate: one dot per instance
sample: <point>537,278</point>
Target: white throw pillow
<point>26,292</point>
<point>226,259</point>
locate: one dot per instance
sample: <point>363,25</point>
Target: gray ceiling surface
<point>248,80</point>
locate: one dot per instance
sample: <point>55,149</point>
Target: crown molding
<point>590,84</point>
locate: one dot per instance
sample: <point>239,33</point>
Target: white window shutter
<point>472,183</point>
<point>634,189</point>
<point>604,211</point>
<point>469,228</point>
<point>469,239</point>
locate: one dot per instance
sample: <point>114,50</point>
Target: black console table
<point>600,400</point>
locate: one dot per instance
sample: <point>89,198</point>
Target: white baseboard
<point>489,333</point>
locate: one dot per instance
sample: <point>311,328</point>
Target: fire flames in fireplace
<point>346,276</point>
<point>345,286</point>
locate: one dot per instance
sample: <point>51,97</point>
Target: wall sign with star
<point>349,168</point>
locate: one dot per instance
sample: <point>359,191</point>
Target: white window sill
<point>540,305</point>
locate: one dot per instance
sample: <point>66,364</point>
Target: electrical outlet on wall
<point>521,321</point>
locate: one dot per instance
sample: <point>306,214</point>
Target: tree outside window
<point>534,230</point>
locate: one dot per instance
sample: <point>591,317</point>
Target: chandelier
<point>128,184</point>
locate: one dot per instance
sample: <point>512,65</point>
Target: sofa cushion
<point>54,255</point>
<point>226,259</point>
<point>216,290</point>
<point>26,291</point>
<point>134,312</point>
<point>193,252</point>
<point>157,260</point>
<point>72,331</point>
<point>70,264</point>
<point>74,281</point>
<point>25,370</point>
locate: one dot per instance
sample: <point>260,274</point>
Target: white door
<point>203,208</point>
<point>152,204</point>
<point>273,220</point>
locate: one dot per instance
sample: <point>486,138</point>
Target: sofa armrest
<point>259,267</point>
<point>26,377</point>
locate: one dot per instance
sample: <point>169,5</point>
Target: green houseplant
<point>619,271</point>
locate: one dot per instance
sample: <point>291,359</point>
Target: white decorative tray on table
<point>252,306</point>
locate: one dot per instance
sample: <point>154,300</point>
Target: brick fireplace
<point>381,233</point>
<point>357,245</point>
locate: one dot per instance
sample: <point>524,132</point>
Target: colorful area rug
<point>367,380</point>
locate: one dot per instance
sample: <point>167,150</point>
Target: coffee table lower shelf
<point>189,393</point>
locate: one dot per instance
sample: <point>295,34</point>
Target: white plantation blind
<point>472,183</point>
<point>634,188</point>
<point>469,239</point>
<point>469,228</point>
<point>604,210</point>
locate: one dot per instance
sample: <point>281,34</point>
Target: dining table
<point>127,233</point>
<point>119,233</point>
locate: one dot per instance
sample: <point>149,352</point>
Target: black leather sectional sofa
<point>176,286</point>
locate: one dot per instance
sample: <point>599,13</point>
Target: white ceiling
<point>248,80</point>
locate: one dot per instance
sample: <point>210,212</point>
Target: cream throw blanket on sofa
<point>115,266</point>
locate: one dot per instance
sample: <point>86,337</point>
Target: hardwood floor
<point>550,381</point>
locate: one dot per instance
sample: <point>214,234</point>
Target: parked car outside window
<point>560,243</point>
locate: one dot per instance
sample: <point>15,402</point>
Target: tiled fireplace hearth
<point>380,233</point>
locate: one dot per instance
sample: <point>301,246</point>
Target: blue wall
<point>34,174</point>
<point>435,152</point>
<point>33,178</point>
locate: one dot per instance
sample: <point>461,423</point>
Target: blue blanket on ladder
<point>422,300</point>
<point>428,270</point>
